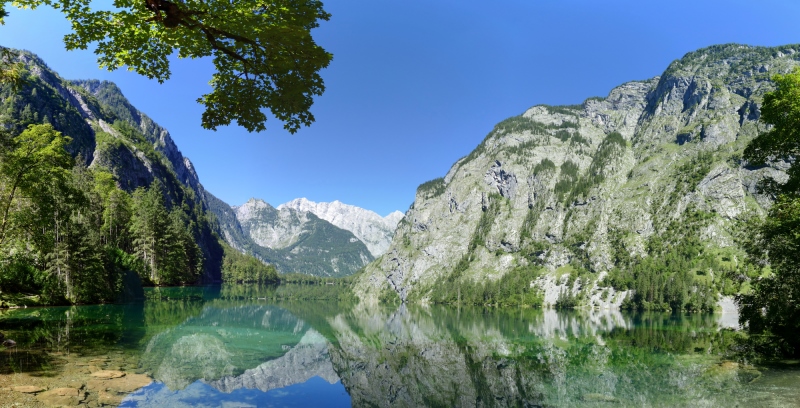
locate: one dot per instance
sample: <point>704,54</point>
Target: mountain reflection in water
<point>221,348</point>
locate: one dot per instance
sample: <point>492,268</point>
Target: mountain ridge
<point>588,192</point>
<point>372,229</point>
<point>294,241</point>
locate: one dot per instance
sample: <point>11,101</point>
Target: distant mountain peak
<point>368,226</point>
<point>293,241</point>
<point>394,217</point>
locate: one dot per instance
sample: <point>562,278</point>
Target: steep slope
<point>112,100</point>
<point>652,171</point>
<point>108,132</point>
<point>372,229</point>
<point>228,226</point>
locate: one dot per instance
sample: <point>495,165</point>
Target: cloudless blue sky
<point>416,84</point>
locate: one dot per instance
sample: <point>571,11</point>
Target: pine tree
<point>149,225</point>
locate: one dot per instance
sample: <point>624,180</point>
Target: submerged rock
<point>123,385</point>
<point>748,374</point>
<point>108,398</point>
<point>108,374</point>
<point>62,397</point>
<point>28,389</point>
<point>733,370</point>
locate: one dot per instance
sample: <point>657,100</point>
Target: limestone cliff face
<point>595,181</point>
<point>373,230</point>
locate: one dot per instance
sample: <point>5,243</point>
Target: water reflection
<point>474,357</point>
<point>221,342</point>
<point>42,333</point>
<point>215,348</point>
<point>236,351</point>
<point>308,359</point>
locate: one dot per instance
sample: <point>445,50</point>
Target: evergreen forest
<point>79,225</point>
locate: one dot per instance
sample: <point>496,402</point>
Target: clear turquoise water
<point>227,347</point>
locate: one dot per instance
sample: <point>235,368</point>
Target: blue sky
<point>416,84</point>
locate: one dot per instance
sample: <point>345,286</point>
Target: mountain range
<point>109,133</point>
<point>375,231</point>
<point>324,239</point>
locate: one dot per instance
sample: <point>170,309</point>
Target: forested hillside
<point>94,194</point>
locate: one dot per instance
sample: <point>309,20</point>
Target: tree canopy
<point>781,109</point>
<point>262,51</point>
<point>771,311</point>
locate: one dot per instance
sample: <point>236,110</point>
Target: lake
<point>232,346</point>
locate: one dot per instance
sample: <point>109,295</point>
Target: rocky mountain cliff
<point>372,229</point>
<point>110,96</point>
<point>581,190</point>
